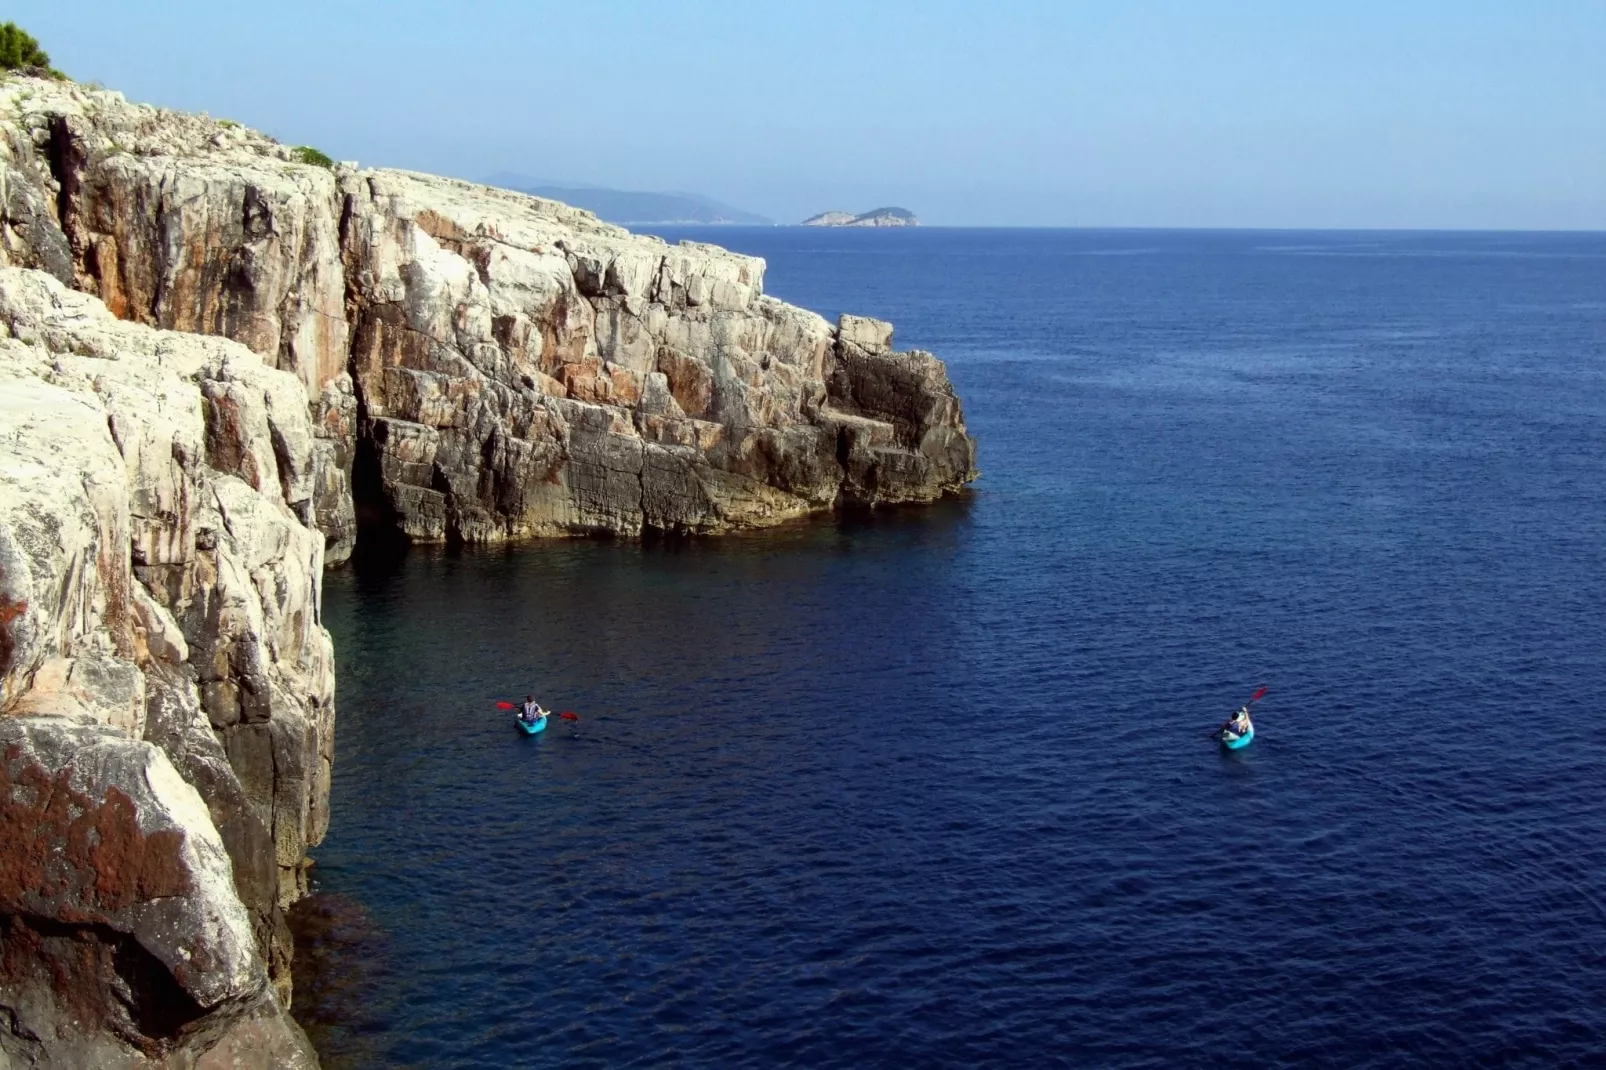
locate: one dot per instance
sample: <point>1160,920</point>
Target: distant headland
<point>876,217</point>
<point>630,208</point>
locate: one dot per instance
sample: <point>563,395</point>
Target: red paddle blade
<point>506,706</point>
<point>1259,694</point>
<point>570,716</point>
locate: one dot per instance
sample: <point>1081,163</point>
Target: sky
<point>1482,114</point>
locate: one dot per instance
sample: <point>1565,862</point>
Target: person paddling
<point>1236,731</point>
<point>532,712</point>
<point>1238,723</point>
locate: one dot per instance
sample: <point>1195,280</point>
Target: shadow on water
<point>380,559</point>
<point>344,976</point>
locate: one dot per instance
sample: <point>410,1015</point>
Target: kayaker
<point>532,711</point>
<point>1238,723</point>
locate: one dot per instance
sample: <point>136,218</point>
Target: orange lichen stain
<point>88,855</point>
<point>108,272</point>
<point>439,227</point>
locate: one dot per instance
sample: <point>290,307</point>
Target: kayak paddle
<point>513,706</point>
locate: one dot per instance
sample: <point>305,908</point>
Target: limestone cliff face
<point>213,360</point>
<point>485,365</point>
<point>180,222</point>
<point>166,688</point>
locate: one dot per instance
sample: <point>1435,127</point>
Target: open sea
<point>932,788</point>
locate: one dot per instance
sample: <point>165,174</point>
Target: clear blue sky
<point>1413,113</point>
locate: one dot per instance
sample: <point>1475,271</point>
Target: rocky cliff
<point>166,685</point>
<point>484,365</point>
<point>216,363</point>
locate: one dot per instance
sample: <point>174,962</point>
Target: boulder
<point>122,941</point>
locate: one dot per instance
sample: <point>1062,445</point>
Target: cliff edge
<point>484,365</point>
<point>218,361</point>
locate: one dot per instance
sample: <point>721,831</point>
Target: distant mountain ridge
<point>875,217</point>
<point>630,207</point>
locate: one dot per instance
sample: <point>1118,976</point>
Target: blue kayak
<point>530,729</point>
<point>1233,741</point>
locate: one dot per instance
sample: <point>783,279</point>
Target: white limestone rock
<point>463,315</point>
<point>152,558</point>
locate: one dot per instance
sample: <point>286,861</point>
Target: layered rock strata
<point>215,361</point>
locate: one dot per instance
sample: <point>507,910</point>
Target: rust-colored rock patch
<point>63,844</point>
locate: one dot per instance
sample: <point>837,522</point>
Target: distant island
<point>631,208</point>
<point>876,217</point>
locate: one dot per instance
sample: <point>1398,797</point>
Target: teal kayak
<point>1233,741</point>
<point>530,729</point>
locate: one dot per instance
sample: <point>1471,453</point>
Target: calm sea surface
<point>933,790</point>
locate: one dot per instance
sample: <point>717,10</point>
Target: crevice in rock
<point>284,461</point>
<point>21,1044</point>
<point>379,529</point>
<point>14,1026</point>
<point>157,1004</point>
<point>65,161</point>
<point>100,974</point>
<point>454,515</point>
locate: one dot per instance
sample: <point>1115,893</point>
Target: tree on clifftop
<point>19,50</point>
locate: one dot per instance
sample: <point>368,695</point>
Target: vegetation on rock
<point>889,212</point>
<point>308,154</point>
<point>19,51</point>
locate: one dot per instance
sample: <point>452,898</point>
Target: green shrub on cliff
<point>308,154</point>
<point>19,51</point>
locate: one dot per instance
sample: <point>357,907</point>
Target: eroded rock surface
<point>483,365</point>
<point>122,941</point>
<point>159,634</point>
<point>182,222</point>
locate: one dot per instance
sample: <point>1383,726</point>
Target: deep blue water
<point>933,789</point>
